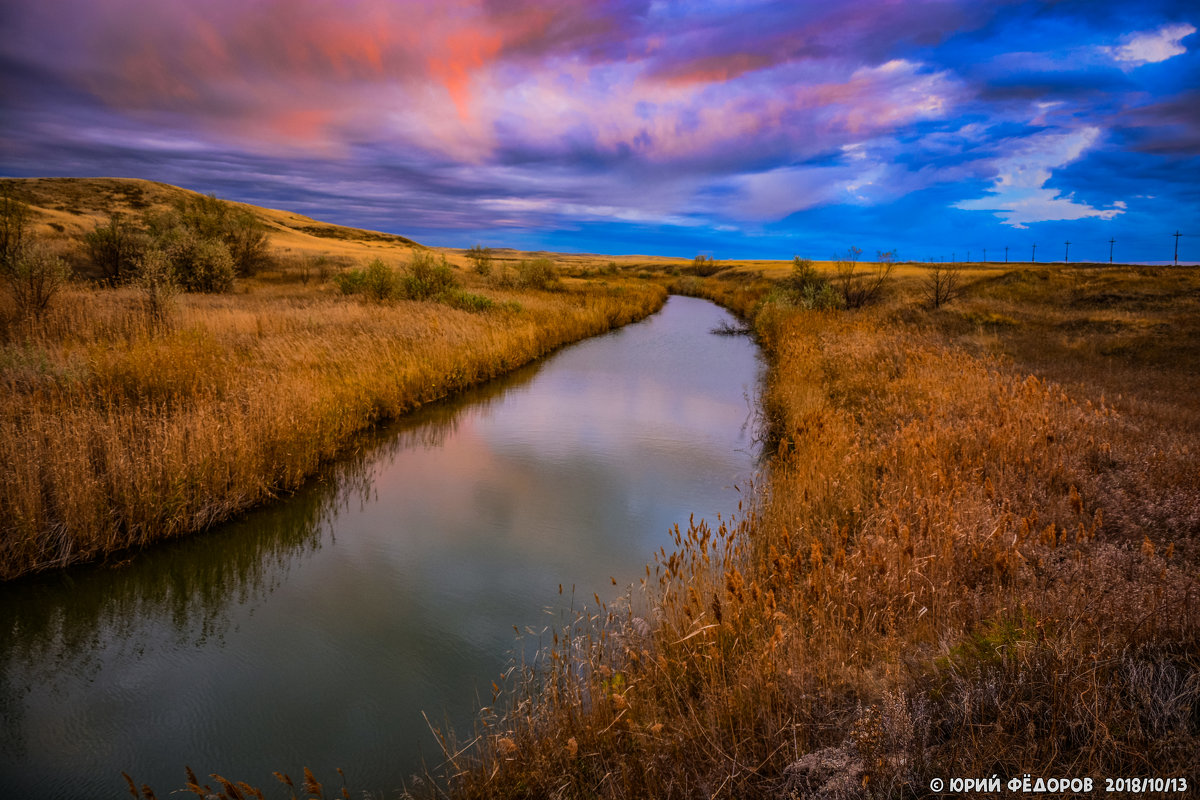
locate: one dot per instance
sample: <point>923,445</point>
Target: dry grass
<point>118,432</point>
<point>956,567</point>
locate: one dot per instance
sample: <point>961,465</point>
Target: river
<point>315,631</point>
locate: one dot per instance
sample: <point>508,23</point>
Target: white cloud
<point>1019,194</point>
<point>1151,47</point>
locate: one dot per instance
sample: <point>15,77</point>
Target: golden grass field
<point>117,432</point>
<point>973,553</point>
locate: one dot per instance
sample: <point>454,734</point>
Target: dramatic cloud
<point>1020,196</point>
<point>617,124</point>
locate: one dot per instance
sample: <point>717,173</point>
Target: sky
<point>739,129</point>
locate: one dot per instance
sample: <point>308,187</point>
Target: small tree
<point>34,275</point>
<point>114,248</point>
<point>248,244</point>
<point>482,258</point>
<point>941,283</point>
<point>860,288</point>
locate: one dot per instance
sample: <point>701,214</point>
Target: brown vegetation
<point>968,560</point>
<point>135,413</point>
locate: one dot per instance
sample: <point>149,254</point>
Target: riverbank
<point>976,555</point>
<point>120,432</point>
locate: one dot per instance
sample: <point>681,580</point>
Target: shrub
<point>247,241</point>
<point>33,274</point>
<point>537,274</point>
<point>155,277</point>
<point>198,263</point>
<point>941,283</point>
<point>114,249</point>
<point>808,289</point>
<point>860,288</point>
<point>351,281</point>
<point>704,266</point>
<point>468,301</point>
<point>482,258</point>
<point>377,281</point>
<point>427,277</point>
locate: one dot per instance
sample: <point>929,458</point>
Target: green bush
<point>427,277</point>
<point>115,248</point>
<point>199,264</point>
<point>351,281</point>
<point>482,257</point>
<point>808,289</point>
<point>468,301</point>
<point>537,274</point>
<point>377,281</point>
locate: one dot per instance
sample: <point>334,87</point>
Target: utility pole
<point>954,256</point>
<point>1177,234</point>
<point>968,256</point>
<point>985,255</point>
<point>1067,255</point>
<point>1111,242</point>
<point>1005,254</point>
<point>1034,258</point>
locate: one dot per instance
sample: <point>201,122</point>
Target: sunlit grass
<point>118,432</point>
<point>967,559</point>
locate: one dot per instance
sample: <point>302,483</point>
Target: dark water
<point>315,632</point>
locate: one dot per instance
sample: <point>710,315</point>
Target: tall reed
<point>119,431</point>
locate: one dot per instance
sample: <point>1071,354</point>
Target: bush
<point>155,277</point>
<point>34,275</point>
<point>199,264</point>
<point>377,281</point>
<point>941,283</point>
<point>808,289</point>
<point>860,288</point>
<point>482,258</point>
<point>537,274</point>
<point>468,301</point>
<point>427,277</point>
<point>114,249</point>
<point>351,281</point>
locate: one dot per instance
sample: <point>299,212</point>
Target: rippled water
<point>315,632</point>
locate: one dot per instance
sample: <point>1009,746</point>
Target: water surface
<point>315,631</point>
